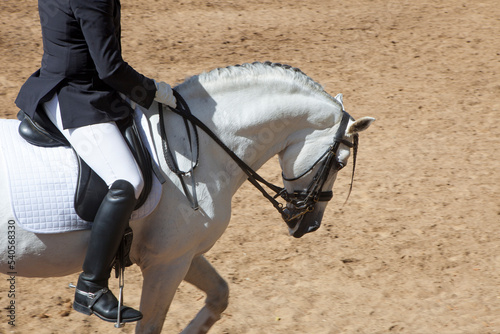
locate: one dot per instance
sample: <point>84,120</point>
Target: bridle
<point>305,201</point>
<point>299,202</point>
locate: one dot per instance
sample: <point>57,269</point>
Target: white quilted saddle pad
<point>42,184</point>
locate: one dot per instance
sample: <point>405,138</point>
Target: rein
<point>302,202</point>
<point>253,176</point>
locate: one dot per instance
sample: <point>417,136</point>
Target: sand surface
<point>417,248</point>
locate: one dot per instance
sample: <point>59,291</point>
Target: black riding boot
<point>92,295</point>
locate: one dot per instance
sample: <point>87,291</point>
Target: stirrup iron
<point>121,284</point>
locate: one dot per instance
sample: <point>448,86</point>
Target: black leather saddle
<point>90,188</point>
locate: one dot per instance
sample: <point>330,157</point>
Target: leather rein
<point>301,201</point>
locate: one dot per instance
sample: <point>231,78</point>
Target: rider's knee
<point>138,184</point>
<point>135,179</point>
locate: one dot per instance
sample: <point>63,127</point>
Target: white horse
<point>259,110</point>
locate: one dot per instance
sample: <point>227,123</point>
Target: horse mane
<point>263,71</point>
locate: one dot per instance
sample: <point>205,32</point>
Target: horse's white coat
<point>259,111</point>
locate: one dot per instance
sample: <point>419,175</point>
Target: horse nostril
<point>313,227</point>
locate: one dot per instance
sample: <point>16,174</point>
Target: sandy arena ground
<point>417,248</point>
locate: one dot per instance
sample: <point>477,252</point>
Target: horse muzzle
<point>300,223</point>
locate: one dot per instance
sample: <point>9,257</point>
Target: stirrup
<point>87,305</point>
<point>121,284</point>
<point>121,261</point>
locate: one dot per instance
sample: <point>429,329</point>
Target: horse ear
<point>340,98</point>
<point>360,125</point>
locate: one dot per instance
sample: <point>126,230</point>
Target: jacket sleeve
<point>97,23</point>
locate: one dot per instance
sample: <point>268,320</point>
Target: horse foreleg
<point>158,289</point>
<point>203,276</point>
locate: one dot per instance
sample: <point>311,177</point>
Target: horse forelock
<point>241,74</point>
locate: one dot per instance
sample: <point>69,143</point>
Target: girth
<point>90,188</point>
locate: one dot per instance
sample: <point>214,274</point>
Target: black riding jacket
<point>82,63</point>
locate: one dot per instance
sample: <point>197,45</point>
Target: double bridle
<point>304,201</point>
<point>299,202</point>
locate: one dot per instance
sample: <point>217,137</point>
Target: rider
<point>80,86</point>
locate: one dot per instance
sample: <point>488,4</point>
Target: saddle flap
<point>142,157</point>
<point>91,189</point>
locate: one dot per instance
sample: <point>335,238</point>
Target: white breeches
<point>102,147</point>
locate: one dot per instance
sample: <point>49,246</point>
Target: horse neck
<point>258,120</point>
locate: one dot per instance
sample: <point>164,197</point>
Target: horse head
<point>317,159</point>
<point>261,109</point>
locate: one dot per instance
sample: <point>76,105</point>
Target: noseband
<point>300,202</point>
